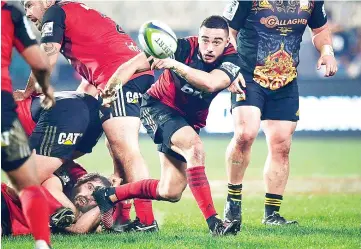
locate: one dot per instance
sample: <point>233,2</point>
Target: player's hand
<point>331,65</point>
<point>235,87</point>
<point>115,180</point>
<point>19,95</point>
<point>48,100</point>
<point>167,63</point>
<point>109,95</point>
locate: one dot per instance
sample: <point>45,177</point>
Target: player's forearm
<point>197,78</point>
<point>322,40</point>
<point>38,76</point>
<point>122,75</point>
<point>86,223</point>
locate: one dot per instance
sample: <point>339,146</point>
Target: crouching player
<point>173,111</point>
<point>64,132</point>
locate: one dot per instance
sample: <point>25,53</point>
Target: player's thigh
<point>279,135</point>
<point>94,130</point>
<point>46,166</point>
<point>173,175</point>
<point>247,110</point>
<point>122,132</point>
<point>282,104</point>
<point>186,140</point>
<point>15,149</point>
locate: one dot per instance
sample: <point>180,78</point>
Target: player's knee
<point>172,192</point>
<point>172,195</point>
<point>244,137</point>
<point>280,146</point>
<point>196,150</point>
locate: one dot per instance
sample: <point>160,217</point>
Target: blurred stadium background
<point>327,105</point>
<point>325,180</point>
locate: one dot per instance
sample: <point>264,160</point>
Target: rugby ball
<point>157,39</point>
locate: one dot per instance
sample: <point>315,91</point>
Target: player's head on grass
<point>35,9</point>
<point>84,189</point>
<point>213,38</point>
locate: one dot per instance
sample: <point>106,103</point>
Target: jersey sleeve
<point>53,25</point>
<point>183,50</point>
<point>236,12</point>
<point>318,17</point>
<point>24,36</point>
<point>230,65</point>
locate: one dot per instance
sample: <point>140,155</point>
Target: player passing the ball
<point>174,110</point>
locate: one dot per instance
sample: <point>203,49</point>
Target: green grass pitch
<point>323,194</point>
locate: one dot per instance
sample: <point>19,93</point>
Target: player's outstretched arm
<point>214,81</point>
<point>121,76</point>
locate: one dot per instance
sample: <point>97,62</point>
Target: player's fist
<point>235,86</point>
<point>330,62</point>
<point>167,63</point>
<point>19,95</point>
<point>47,100</point>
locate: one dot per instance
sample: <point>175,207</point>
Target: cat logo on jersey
<point>68,138</point>
<point>133,97</point>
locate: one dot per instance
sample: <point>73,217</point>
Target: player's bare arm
<point>86,223</point>
<point>121,76</point>
<point>321,38</point>
<point>209,82</point>
<point>52,50</point>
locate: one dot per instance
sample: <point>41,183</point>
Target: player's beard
<point>38,25</point>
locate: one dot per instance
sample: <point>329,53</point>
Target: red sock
<point>198,183</point>
<point>121,213</point>
<point>36,212</point>
<point>144,189</point>
<point>144,211</point>
<point>53,203</point>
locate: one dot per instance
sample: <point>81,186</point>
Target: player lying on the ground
<point>61,184</point>
<point>173,111</point>
<point>65,132</point>
<point>96,46</point>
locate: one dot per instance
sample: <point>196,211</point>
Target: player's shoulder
<point>229,50</point>
<point>191,41</point>
<point>14,7</point>
<point>55,11</point>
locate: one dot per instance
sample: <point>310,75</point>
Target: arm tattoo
<point>50,49</point>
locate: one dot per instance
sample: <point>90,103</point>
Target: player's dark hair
<point>215,22</point>
<point>88,178</point>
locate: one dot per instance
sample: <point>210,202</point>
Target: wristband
<point>327,50</point>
